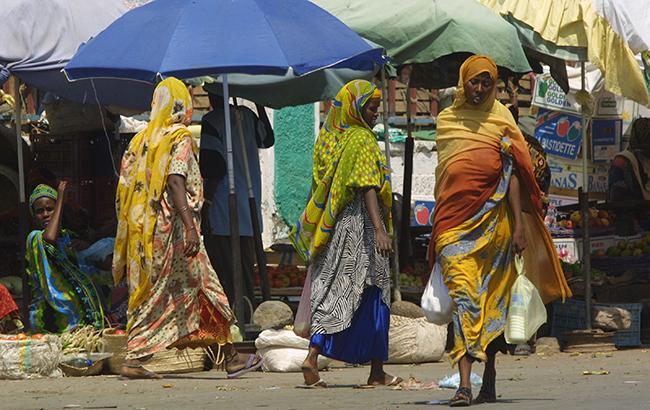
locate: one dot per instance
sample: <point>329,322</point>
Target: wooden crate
<point>425,105</point>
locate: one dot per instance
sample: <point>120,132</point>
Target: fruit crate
<point>570,315</point>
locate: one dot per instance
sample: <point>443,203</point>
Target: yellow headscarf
<point>463,124</point>
<point>143,178</point>
<point>346,158</point>
<point>346,112</point>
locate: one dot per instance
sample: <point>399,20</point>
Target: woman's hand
<point>191,242</point>
<point>63,185</point>
<point>519,240</point>
<point>384,244</point>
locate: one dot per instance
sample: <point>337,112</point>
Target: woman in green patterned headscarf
<point>63,297</point>
<point>344,234</point>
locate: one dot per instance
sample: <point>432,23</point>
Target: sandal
<point>394,381</point>
<point>253,362</point>
<point>320,384</point>
<point>462,398</point>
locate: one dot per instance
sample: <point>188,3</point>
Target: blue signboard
<point>559,133</point>
<point>606,138</point>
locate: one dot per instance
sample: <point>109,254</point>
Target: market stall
<point>619,231</point>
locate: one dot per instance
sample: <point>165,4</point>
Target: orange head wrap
<point>472,67</point>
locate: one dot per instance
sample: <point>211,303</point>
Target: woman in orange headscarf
<point>488,208</point>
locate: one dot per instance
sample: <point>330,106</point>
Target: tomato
<point>119,332</point>
<point>37,336</point>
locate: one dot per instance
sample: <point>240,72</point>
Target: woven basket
<point>93,370</point>
<point>164,361</point>
<point>115,344</point>
<point>177,361</point>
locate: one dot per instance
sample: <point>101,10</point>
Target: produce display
<point>596,219</point>
<point>415,276</point>
<point>284,276</point>
<point>626,248</point>
<point>22,336</point>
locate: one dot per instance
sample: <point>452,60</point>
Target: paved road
<point>536,382</point>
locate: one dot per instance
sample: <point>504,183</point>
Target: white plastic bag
<point>526,312</point>
<point>283,351</point>
<point>436,303</point>
<point>302,322</point>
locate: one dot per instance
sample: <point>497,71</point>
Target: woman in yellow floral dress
<point>175,298</point>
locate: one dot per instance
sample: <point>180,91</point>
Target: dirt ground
<point>535,382</point>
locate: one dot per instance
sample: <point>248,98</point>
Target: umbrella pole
<point>397,294</point>
<point>252,204</point>
<point>584,202</point>
<point>22,216</point>
<point>235,246</point>
<point>406,191</point>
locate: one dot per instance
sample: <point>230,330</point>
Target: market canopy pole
<point>583,195</point>
<point>235,247</point>
<point>22,215</point>
<point>252,204</point>
<point>397,294</point>
<point>405,223</point>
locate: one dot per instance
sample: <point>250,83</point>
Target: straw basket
<point>93,370</point>
<point>164,361</point>
<point>115,344</point>
<point>177,361</point>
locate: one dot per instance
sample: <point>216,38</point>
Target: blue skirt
<point>367,336</point>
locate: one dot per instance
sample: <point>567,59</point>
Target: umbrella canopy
<point>423,31</point>
<point>40,38</point>
<point>607,33</point>
<point>281,91</point>
<point>205,37</point>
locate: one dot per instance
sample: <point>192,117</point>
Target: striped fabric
<point>340,274</point>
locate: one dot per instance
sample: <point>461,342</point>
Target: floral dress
<point>187,306</point>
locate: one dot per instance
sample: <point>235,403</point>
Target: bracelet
<point>183,209</point>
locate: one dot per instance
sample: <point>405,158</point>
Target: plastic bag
<point>283,351</point>
<point>436,303</point>
<point>302,322</point>
<point>453,381</point>
<point>526,312</point>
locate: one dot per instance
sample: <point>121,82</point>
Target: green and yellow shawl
<point>346,158</point>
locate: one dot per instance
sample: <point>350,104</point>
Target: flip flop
<point>395,381</point>
<point>251,365</point>
<point>320,384</point>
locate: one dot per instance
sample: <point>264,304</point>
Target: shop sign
<point>548,94</point>
<point>422,214</point>
<point>606,137</point>
<point>568,175</point>
<point>559,133</point>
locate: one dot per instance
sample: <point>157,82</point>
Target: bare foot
<point>310,372</point>
<point>384,379</point>
<point>133,369</point>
